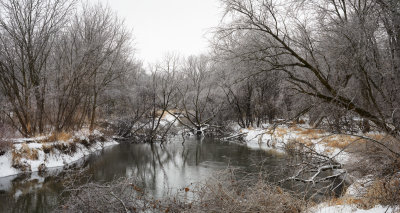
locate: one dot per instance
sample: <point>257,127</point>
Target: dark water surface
<point>160,168</point>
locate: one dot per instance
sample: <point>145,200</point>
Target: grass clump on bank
<point>58,136</point>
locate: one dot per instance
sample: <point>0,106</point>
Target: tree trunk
<point>93,115</point>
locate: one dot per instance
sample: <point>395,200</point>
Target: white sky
<point>162,26</point>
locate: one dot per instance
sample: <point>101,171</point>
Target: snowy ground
<point>325,208</point>
<point>276,138</point>
<point>55,158</point>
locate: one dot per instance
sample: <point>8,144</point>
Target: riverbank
<point>342,148</point>
<point>282,137</point>
<point>279,138</point>
<point>54,150</point>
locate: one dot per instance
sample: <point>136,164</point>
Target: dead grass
<point>340,141</point>
<point>159,112</point>
<point>384,192</point>
<point>23,153</point>
<point>380,192</point>
<point>295,128</point>
<point>312,133</point>
<point>385,139</point>
<point>280,132</point>
<point>305,141</point>
<point>58,136</point>
<point>28,153</point>
<point>346,201</point>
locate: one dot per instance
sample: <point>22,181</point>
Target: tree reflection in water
<point>160,168</point>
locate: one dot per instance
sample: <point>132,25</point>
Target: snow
<point>324,208</point>
<point>359,187</point>
<point>6,166</point>
<point>23,140</point>
<point>53,159</point>
<point>269,138</point>
<point>58,159</point>
<point>168,119</point>
<point>259,139</point>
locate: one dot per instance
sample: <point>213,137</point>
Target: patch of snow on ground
<point>23,140</point>
<point>359,187</point>
<point>268,138</point>
<point>260,139</point>
<point>167,119</point>
<point>6,168</point>
<point>324,208</point>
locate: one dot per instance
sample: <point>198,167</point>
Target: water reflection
<point>160,168</point>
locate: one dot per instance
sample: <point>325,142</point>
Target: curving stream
<point>160,168</point>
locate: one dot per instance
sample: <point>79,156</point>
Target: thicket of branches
<point>340,55</point>
<point>226,192</point>
<point>335,61</point>
<point>57,61</point>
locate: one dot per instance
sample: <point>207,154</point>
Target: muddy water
<point>160,168</point>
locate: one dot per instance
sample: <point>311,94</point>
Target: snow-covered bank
<point>38,156</point>
<point>278,138</point>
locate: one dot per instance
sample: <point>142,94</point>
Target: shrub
<point>84,142</point>
<point>47,148</point>
<point>224,193</point>
<point>66,148</point>
<point>383,191</point>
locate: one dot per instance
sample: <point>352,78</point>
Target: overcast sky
<point>161,26</point>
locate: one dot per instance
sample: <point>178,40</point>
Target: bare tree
<point>333,54</point>
<point>28,30</point>
<point>200,101</point>
<point>253,95</point>
<point>107,49</point>
<point>164,84</point>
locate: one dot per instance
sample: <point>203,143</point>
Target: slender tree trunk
<point>93,115</point>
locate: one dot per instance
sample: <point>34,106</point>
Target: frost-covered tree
<point>200,97</point>
<point>28,32</point>
<point>56,62</point>
<point>332,52</point>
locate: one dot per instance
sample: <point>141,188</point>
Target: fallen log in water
<point>235,137</point>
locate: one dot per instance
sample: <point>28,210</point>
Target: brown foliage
<point>58,136</point>
<point>23,153</point>
<point>383,191</point>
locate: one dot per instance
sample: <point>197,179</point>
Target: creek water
<point>161,168</point>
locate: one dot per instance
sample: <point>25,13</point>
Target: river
<point>160,168</point>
